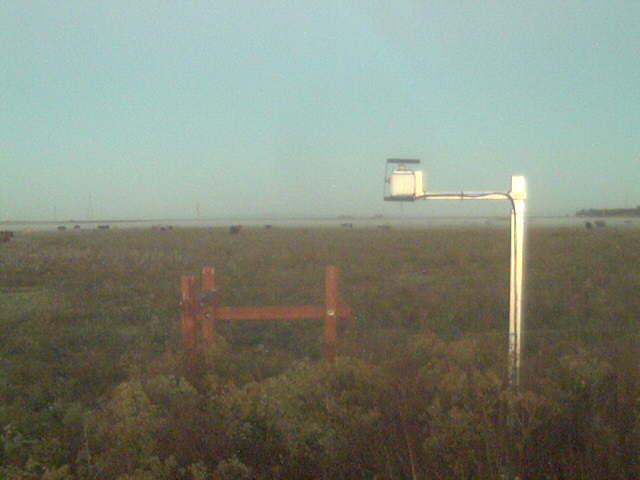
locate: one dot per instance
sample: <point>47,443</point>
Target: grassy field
<point>92,384</point>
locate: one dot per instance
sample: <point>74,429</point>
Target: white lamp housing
<point>402,182</point>
<point>406,183</point>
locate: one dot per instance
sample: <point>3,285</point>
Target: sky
<point>167,109</point>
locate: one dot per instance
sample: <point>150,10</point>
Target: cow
<point>235,229</point>
<point>5,236</point>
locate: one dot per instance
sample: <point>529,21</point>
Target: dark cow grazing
<point>103,227</point>
<point>76,227</point>
<point>588,225</point>
<point>61,228</point>
<point>346,225</point>
<point>5,236</point>
<point>600,223</point>
<point>235,229</point>
<point>268,226</point>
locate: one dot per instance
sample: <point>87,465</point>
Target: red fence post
<point>209,310</point>
<point>202,307</point>
<point>331,312</point>
<point>188,319</point>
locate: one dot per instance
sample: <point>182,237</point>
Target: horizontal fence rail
<point>200,308</point>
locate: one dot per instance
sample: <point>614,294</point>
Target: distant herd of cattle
<point>63,228</point>
<point>6,235</point>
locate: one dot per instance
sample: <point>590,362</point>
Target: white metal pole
<point>518,196</point>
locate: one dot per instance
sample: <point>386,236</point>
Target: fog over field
<point>153,110</point>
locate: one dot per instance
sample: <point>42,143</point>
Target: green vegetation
<point>92,384</point>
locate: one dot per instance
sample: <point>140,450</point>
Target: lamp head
<point>404,183</point>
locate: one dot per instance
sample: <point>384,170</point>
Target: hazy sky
<point>292,107</point>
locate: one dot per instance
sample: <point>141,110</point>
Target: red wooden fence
<point>201,308</point>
